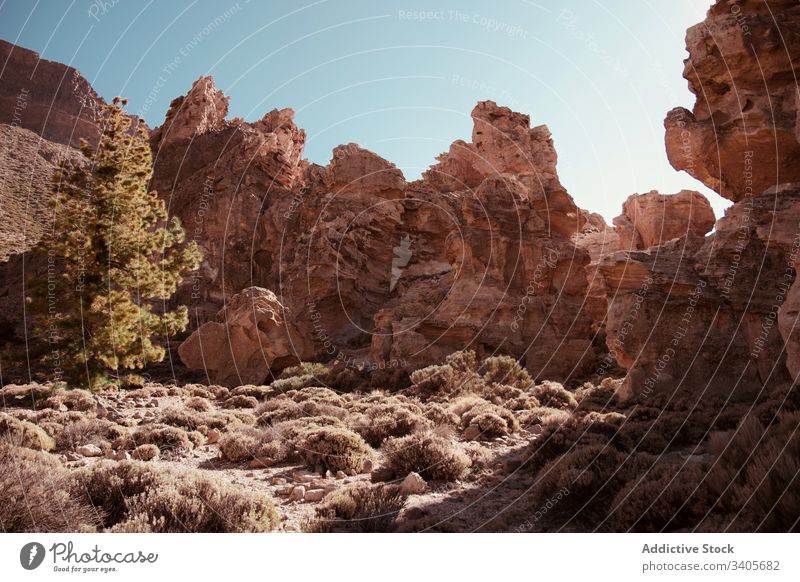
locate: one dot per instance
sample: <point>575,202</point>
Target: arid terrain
<point>469,351</point>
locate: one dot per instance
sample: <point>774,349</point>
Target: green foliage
<point>115,253</point>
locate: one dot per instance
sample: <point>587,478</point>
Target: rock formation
<point>52,100</point>
<point>219,177</point>
<point>251,338</point>
<point>741,138</point>
<point>651,219</point>
<point>716,316</point>
<point>492,265</point>
<point>486,251</point>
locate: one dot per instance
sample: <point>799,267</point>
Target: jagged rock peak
<point>203,109</point>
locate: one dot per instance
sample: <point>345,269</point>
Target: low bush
<point>22,433</point>
<point>146,453</point>
<point>246,443</point>
<point>88,431</point>
<point>165,437</point>
<point>132,496</point>
<point>334,449</point>
<point>505,370</point>
<point>199,404</point>
<point>431,455</point>
<point>26,395</point>
<point>554,395</point>
<point>76,399</point>
<point>240,401</point>
<point>492,420</point>
<point>361,508</point>
<point>34,495</point>
<point>393,419</point>
<point>257,392</point>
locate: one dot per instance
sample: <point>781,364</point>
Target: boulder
<point>651,219</point>
<point>250,339</point>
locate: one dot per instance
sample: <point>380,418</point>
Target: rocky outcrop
<point>487,260</point>
<point>651,219</point>
<point>251,338</point>
<point>26,168</point>
<point>52,100</point>
<point>741,138</point>
<point>716,316</point>
<point>219,177</point>
<point>700,315</point>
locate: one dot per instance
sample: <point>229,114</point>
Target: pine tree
<point>115,254</point>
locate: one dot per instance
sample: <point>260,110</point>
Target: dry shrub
<point>559,438</point>
<point>146,453</point>
<point>150,497</point>
<point>200,391</point>
<point>303,375</point>
<point>165,437</point>
<point>360,508</point>
<point>492,420</point>
<point>246,443</point>
<point>76,399</point>
<point>22,433</point>
<point>554,395</point>
<point>542,415</point>
<point>505,370</point>
<point>665,497</point>
<point>86,431</point>
<point>34,496</point>
<point>479,455</point>
<point>462,404</point>
<point>394,418</point>
<point>431,455</point>
<point>293,430</point>
<point>755,475</point>
<point>240,401</point>
<point>145,392</point>
<point>334,449</point>
<point>191,420</point>
<point>432,383</point>
<point>591,475</point>
<point>27,395</point>
<point>257,392</point>
<point>283,408</point>
<point>199,404</point>
<point>600,396</point>
<point>440,415</point>
<point>318,394</point>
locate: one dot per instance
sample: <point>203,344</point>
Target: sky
<point>400,78</point>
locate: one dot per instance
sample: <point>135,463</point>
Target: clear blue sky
<point>401,77</point>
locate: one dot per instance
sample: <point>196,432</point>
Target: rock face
<point>250,338</point>
<point>716,317</point>
<point>26,167</point>
<point>651,219</point>
<point>487,257</point>
<point>52,100</point>
<point>220,177</point>
<point>742,136</point>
